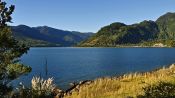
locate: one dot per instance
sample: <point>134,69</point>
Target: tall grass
<point>129,85</point>
<point>40,86</point>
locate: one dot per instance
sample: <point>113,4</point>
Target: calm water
<point>75,64</point>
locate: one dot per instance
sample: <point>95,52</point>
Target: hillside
<point>47,36</point>
<point>144,33</point>
<point>166,24</point>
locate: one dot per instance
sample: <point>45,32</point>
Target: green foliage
<point>111,29</point>
<point>4,90</point>
<point>15,70</point>
<point>28,93</point>
<point>10,51</point>
<point>166,24</point>
<point>160,90</point>
<point>172,43</point>
<point>5,12</point>
<point>119,33</point>
<point>146,32</point>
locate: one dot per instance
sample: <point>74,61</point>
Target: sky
<point>87,15</point>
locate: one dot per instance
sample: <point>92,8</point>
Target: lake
<point>68,65</point>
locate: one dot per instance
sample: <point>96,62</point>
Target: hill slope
<point>166,24</point>
<point>147,31</point>
<point>47,36</point>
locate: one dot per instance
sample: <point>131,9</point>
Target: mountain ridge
<point>48,36</point>
<point>150,32</point>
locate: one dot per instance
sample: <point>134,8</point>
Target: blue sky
<point>87,15</point>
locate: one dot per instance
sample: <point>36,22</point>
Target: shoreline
<point>159,74</point>
<point>104,47</point>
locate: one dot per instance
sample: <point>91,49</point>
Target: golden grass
<point>123,86</point>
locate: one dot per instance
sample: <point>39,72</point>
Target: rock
<point>78,86</point>
<point>172,66</point>
<point>89,82</point>
<point>72,84</point>
<point>81,82</point>
<point>58,95</point>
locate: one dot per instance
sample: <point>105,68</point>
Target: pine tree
<point>10,48</point>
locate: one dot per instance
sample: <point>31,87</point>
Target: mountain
<point>166,24</point>
<point>47,36</point>
<point>162,30</point>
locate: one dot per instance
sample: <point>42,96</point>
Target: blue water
<point>75,64</point>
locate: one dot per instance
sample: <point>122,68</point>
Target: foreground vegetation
<point>156,84</point>
<point>10,51</point>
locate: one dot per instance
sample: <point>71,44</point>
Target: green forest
<point>146,33</point>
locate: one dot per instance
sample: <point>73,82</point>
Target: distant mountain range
<point>145,33</point>
<point>47,36</point>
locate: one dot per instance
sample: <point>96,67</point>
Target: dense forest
<point>146,33</point>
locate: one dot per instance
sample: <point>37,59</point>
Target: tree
<point>10,48</point>
<point>172,43</point>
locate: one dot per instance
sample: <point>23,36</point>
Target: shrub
<point>15,70</point>
<point>4,90</point>
<point>40,88</point>
<point>43,87</point>
<point>160,90</point>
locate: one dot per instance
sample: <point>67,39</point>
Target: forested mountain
<point>166,24</point>
<point>47,36</point>
<point>161,30</point>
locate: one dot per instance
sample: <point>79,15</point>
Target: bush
<point>4,90</point>
<point>15,70</point>
<point>43,87</point>
<point>40,89</point>
<point>160,90</point>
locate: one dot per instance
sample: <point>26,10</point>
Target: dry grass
<point>39,84</point>
<point>124,86</point>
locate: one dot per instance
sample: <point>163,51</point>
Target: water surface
<point>76,64</point>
